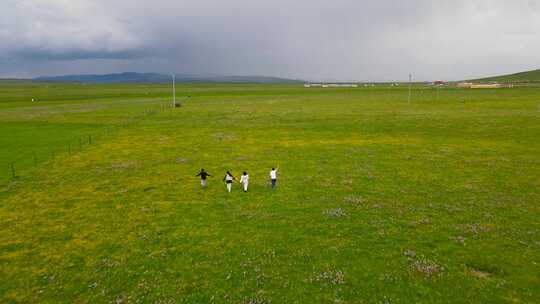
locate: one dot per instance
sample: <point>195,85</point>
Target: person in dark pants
<point>273,177</point>
<point>203,174</point>
<point>228,179</point>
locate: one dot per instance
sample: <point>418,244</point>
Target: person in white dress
<point>244,180</point>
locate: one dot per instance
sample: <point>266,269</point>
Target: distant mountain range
<point>131,77</point>
<point>528,76</point>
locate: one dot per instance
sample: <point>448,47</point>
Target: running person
<point>273,177</point>
<point>228,179</point>
<point>244,179</point>
<point>203,174</point>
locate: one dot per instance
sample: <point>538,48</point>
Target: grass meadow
<point>378,200</point>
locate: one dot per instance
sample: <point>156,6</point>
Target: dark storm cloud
<point>63,55</point>
<point>341,39</point>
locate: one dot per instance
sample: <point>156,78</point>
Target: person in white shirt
<point>244,180</point>
<point>273,177</point>
<point>228,179</point>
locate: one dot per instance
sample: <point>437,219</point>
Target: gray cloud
<point>56,55</point>
<point>340,39</point>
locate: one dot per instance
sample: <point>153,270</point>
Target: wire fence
<point>26,162</point>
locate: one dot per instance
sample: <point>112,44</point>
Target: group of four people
<point>244,179</point>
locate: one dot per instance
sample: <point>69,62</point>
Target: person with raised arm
<point>228,179</point>
<point>203,174</point>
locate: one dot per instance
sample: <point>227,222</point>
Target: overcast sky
<point>306,39</point>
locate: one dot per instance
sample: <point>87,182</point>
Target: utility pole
<point>174,90</point>
<point>410,87</point>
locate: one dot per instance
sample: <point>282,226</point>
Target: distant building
<point>464,85</point>
<point>438,82</point>
<point>331,85</point>
<point>486,86</point>
<point>470,85</point>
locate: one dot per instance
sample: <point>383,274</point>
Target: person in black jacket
<point>203,174</point>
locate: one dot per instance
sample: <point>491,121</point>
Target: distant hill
<point>131,77</point>
<point>529,76</point>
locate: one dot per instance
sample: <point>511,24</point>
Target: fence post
<point>13,171</point>
<point>35,159</point>
<point>90,139</point>
<point>80,144</point>
<point>69,148</point>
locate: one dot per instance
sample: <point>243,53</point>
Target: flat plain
<point>378,200</point>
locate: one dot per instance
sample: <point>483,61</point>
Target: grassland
<point>378,200</point>
<point>528,76</point>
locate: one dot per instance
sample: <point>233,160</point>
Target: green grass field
<point>378,200</point>
<point>528,76</point>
